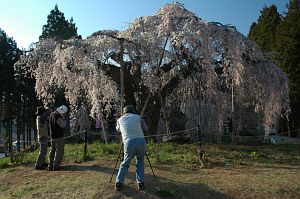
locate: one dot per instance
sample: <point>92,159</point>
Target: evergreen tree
<point>9,54</point>
<point>288,57</point>
<point>263,32</point>
<point>58,27</point>
<point>26,103</point>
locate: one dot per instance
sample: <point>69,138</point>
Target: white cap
<point>62,109</point>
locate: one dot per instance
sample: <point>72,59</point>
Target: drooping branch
<point>193,63</point>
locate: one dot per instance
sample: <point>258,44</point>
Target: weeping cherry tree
<point>173,60</point>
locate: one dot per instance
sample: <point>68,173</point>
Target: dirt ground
<point>91,180</point>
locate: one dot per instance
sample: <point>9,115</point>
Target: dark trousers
<point>56,153</point>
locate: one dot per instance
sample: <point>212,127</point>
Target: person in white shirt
<point>132,127</point>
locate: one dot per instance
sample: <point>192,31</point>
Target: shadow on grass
<point>158,187</point>
<point>165,188</point>
<point>162,187</point>
<point>82,167</point>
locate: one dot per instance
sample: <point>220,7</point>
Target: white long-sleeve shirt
<point>131,126</point>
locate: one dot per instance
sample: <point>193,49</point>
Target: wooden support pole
<point>122,75</point>
<point>85,144</point>
<point>146,104</point>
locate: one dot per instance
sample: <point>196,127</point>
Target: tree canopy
<point>208,70</point>
<point>58,27</point>
<point>263,32</point>
<point>288,55</point>
<point>9,54</point>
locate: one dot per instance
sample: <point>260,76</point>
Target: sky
<point>23,20</point>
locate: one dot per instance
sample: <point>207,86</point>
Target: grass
<point>4,162</point>
<point>225,155</point>
<point>265,171</point>
<point>183,154</point>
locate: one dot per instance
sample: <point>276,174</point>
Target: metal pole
<point>150,164</point>
<point>120,151</point>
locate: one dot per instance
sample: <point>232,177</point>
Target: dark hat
<point>40,110</point>
<point>129,109</point>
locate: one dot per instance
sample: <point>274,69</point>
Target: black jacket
<point>55,130</point>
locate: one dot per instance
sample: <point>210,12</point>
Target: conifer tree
<point>263,32</point>
<point>288,56</point>
<point>58,27</point>
<point>9,54</point>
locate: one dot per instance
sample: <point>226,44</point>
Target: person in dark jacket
<point>57,123</point>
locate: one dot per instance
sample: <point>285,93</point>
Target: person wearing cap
<point>42,116</point>
<point>57,123</point>
<point>132,127</point>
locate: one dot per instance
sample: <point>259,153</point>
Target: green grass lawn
<point>183,154</point>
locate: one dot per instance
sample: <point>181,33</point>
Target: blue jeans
<point>134,147</point>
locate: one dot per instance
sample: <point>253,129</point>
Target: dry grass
<point>255,179</point>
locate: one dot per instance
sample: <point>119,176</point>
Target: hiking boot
<point>141,186</point>
<point>50,168</point>
<point>118,186</point>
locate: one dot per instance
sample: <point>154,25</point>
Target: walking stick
<point>120,151</point>
<point>150,164</point>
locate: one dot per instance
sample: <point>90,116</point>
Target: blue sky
<point>23,19</point>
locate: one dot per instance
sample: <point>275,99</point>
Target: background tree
<point>288,57</point>
<point>263,32</point>
<point>9,54</point>
<point>26,103</point>
<point>58,27</point>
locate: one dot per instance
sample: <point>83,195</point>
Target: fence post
<point>199,134</point>
<point>85,144</point>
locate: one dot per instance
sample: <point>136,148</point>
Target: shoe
<point>50,168</point>
<point>141,186</point>
<point>118,186</point>
<point>58,168</point>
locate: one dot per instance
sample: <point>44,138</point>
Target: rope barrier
<point>182,131</point>
<point>168,134</point>
<point>288,132</point>
<point>174,133</point>
<point>74,135</point>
